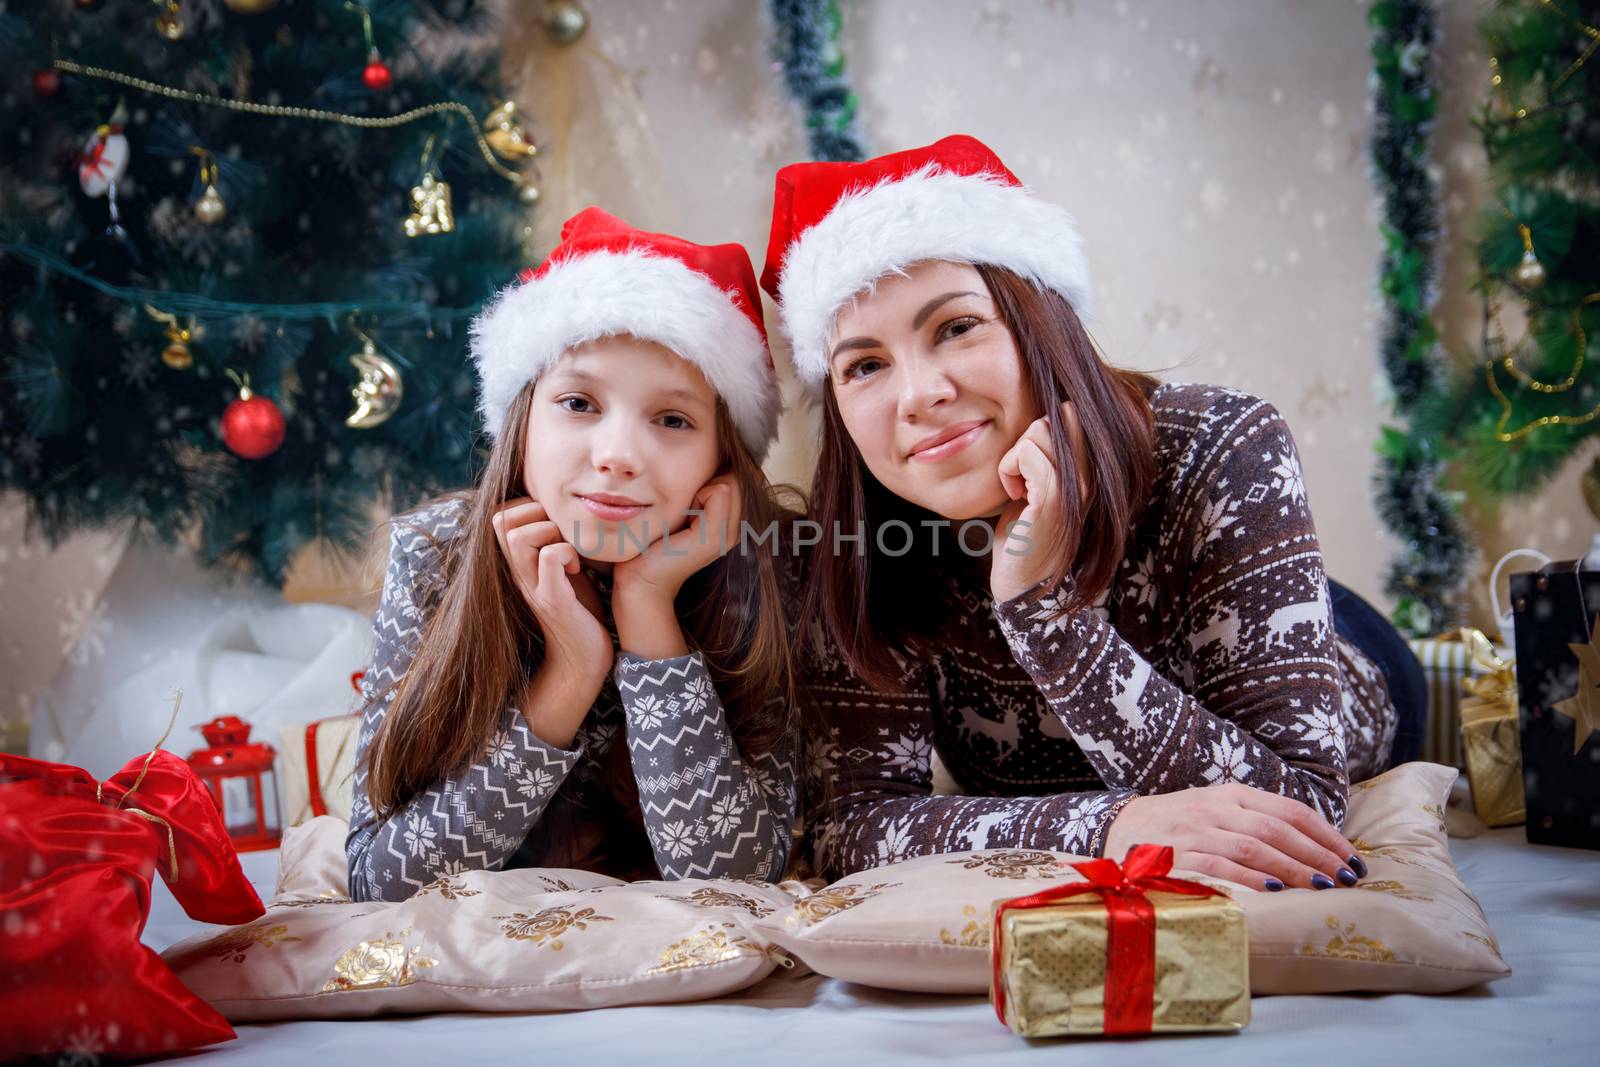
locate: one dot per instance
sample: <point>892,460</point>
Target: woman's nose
<point>923,386</point>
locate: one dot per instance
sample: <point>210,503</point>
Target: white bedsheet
<point>1543,904</point>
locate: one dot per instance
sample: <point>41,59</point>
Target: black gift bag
<point>1558,689</point>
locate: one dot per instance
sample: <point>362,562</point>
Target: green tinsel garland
<point>1426,576</point>
<point>806,43</point>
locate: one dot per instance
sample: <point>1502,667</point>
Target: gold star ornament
<point>1583,707</point>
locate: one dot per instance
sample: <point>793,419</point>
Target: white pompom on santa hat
<point>607,278</point>
<point>839,227</point>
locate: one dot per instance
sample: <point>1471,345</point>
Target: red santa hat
<point>607,278</point>
<point>839,227</point>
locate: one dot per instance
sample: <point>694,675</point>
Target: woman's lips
<point>950,446</point>
<point>613,512</point>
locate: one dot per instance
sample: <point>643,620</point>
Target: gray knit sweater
<point>708,809</point>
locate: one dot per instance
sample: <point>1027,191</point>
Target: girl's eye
<point>676,422</point>
<point>578,405</point>
<point>957,327</point>
<point>860,368</point>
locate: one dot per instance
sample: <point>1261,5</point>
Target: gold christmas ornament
<point>177,355</point>
<point>1530,272</point>
<point>169,23</point>
<point>430,201</point>
<point>379,391</point>
<point>430,208</point>
<point>1583,707</point>
<point>505,135</point>
<point>210,208</point>
<point>565,21</point>
<point>249,7</point>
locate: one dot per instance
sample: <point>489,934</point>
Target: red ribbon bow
<point>1130,929</point>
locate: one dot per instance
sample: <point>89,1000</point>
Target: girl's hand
<point>1031,524</point>
<point>655,575</point>
<point>1244,835</point>
<point>547,572</point>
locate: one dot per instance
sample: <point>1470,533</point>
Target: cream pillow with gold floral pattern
<point>1410,926</point>
<point>521,940</point>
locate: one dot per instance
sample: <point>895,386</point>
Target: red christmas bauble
<point>252,427</point>
<point>378,76</point>
<point>46,82</point>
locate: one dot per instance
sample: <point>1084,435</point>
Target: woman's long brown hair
<point>873,604</point>
<point>481,643</point>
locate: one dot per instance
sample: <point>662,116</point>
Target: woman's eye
<point>861,367</point>
<point>576,404</point>
<point>957,327</point>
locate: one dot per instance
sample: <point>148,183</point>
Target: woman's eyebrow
<point>933,305</point>
<point>853,343</point>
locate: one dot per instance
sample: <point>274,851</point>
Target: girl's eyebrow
<point>578,376</point>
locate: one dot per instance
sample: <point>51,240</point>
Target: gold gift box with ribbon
<point>1131,951</point>
<point>1491,742</point>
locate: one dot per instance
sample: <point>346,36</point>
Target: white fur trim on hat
<point>928,215</point>
<point>652,297</point>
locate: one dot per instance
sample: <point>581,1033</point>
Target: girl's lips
<point>945,449</point>
<point>613,512</point>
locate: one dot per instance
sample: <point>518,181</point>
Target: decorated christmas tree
<point>240,243</point>
<point>1532,403</point>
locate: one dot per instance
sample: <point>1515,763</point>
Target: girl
<point>1112,617</point>
<point>628,388</point>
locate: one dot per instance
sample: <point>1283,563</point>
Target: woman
<point>1146,652</point>
<point>630,394</point>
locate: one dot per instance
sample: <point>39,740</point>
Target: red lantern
<point>238,772</point>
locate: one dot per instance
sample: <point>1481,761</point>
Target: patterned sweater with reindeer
<point>705,809</point>
<point>1210,658</point>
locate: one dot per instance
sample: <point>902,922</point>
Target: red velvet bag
<point>75,863</point>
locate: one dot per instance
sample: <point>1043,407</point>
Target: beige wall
<point>1214,152</point>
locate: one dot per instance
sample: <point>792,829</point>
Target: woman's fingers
<point>1289,840</point>
<point>1338,847</point>
<point>1255,854</point>
<point>1216,867</point>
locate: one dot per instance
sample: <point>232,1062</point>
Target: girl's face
<point>621,435</point>
<point>929,383</point>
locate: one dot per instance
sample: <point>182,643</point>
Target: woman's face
<point>621,435</point>
<point>930,386</point>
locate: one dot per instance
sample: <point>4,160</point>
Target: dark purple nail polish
<point>1358,865</point>
<point>1274,886</point>
<point>1347,876</point>
<point>1321,881</point>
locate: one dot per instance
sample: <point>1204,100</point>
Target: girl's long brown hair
<point>874,604</point>
<point>481,644</point>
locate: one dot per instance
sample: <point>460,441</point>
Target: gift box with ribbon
<point>1489,735</point>
<point>1129,950</point>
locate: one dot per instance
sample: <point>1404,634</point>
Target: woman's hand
<point>578,652</point>
<point>645,588</point>
<point>1032,523</point>
<point>1244,835</point>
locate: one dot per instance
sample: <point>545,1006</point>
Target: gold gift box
<point>1491,738</point>
<point>1053,964</point>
